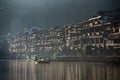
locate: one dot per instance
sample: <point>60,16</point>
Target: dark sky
<point>16,14</point>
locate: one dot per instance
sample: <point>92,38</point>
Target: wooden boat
<point>42,60</point>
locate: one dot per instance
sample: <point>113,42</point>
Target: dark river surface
<point>25,70</point>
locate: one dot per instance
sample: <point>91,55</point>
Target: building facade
<point>99,35</point>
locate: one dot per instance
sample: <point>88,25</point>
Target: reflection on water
<point>23,70</point>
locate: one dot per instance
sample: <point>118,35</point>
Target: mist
<point>17,14</point>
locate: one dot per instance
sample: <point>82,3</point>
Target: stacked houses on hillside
<point>98,35</point>
<point>101,34</point>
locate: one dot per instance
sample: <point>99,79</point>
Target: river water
<point>25,70</point>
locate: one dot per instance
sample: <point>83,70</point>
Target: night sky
<point>17,14</point>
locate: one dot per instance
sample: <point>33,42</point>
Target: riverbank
<point>108,59</point>
<point>112,59</point>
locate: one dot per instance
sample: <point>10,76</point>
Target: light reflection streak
<point>21,70</point>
